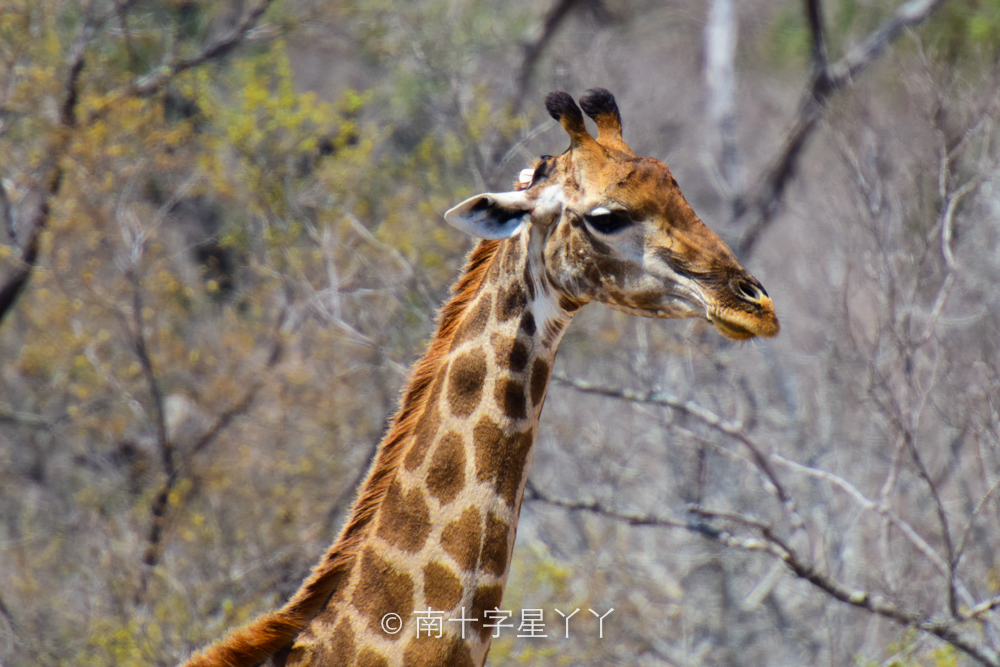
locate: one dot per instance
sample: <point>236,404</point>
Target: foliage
<point>236,272</point>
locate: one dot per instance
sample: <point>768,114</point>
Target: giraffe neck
<point>437,516</point>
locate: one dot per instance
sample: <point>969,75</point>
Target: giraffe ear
<point>492,216</point>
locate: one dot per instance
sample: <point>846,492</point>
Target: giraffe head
<point>609,226</point>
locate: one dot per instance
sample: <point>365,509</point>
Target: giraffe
<point>434,522</point>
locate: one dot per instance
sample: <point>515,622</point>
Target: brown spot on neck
<point>511,354</point>
<point>382,590</point>
<point>493,559</point>
<point>474,322</point>
<point>511,301</point>
<point>528,323</point>
<point>539,380</point>
<point>437,652</point>
<point>465,382</point>
<point>485,597</point>
<point>446,475</point>
<point>369,657</point>
<point>462,537</point>
<point>423,435</point>
<point>342,646</point>
<point>404,520</point>
<point>510,398</point>
<point>442,587</point>
<point>501,457</point>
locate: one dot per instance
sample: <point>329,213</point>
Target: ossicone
<point>600,105</point>
<point>561,106</point>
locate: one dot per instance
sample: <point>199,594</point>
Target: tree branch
<point>533,50</point>
<point>13,285</point>
<point>15,282</point>
<point>814,14</point>
<point>160,506</point>
<point>217,48</point>
<point>705,416</point>
<point>720,56</point>
<point>533,494</point>
<point>779,549</point>
<point>7,215</point>
<point>875,604</point>
<point>758,210</point>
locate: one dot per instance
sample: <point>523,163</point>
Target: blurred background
<point>222,246</point>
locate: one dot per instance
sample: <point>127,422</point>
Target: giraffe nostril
<point>749,290</point>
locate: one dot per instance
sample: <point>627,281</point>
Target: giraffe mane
<point>275,631</point>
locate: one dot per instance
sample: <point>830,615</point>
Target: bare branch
<point>533,493</point>
<point>814,14</point>
<point>7,214</point>
<point>5,613</point>
<point>720,55</point>
<point>960,550</point>
<point>7,415</point>
<point>760,208</point>
<point>708,418</point>
<point>779,549</point>
<point>164,444</point>
<point>870,505</point>
<point>533,50</point>
<point>138,335</point>
<point>15,282</point>
<point>158,510</point>
<point>943,519</point>
<point>875,604</point>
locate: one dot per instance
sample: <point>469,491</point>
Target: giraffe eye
<point>606,221</point>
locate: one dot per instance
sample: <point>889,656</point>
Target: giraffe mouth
<point>740,325</point>
<point>731,329</point>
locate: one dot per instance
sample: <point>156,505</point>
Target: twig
<point>942,519</point>
<point>7,214</point>
<point>11,416</point>
<point>158,510</point>
<point>14,284</point>
<point>960,550</point>
<point>779,549</point>
<point>760,207</point>
<point>533,50</point>
<point>708,418</point>
<point>814,14</point>
<point>875,604</point>
<point>5,612</point>
<point>163,442</point>
<point>533,493</point>
<point>872,506</point>
<point>214,50</point>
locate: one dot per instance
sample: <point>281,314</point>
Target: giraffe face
<point>615,228</point>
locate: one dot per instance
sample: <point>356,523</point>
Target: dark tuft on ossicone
<point>599,101</point>
<point>560,104</point>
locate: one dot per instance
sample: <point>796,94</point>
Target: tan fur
<point>272,632</point>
